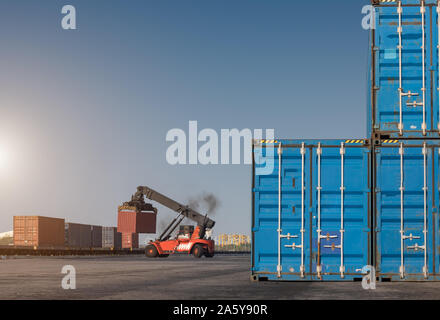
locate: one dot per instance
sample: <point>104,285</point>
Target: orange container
<point>132,221</point>
<point>37,231</point>
<point>130,240</point>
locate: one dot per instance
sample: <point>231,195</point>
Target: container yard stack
<point>96,236</point>
<point>331,207</point>
<point>403,121</point>
<point>38,232</point>
<point>78,235</point>
<point>111,238</point>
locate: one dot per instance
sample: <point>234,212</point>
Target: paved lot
<point>177,277</point>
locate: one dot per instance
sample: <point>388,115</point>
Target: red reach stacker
<point>196,241</point>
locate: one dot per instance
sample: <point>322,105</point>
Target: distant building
<point>6,238</point>
<point>8,234</point>
<point>233,239</point>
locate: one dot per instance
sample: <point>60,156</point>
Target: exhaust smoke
<point>206,202</point>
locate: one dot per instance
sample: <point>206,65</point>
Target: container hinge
<point>279,270</point>
<point>319,270</point>
<point>342,271</point>
<point>402,272</point>
<point>302,270</point>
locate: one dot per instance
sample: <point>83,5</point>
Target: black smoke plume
<point>205,202</point>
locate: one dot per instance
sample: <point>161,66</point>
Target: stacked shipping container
<point>403,78</point>
<point>405,125</point>
<point>111,238</point>
<point>40,232</point>
<point>311,217</point>
<point>43,232</point>
<point>329,208</point>
<point>78,235</point>
<point>131,222</point>
<point>130,240</point>
<point>405,210</point>
<point>96,236</point>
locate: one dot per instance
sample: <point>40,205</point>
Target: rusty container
<point>96,236</point>
<point>37,231</point>
<point>131,220</point>
<point>78,235</point>
<point>130,240</point>
<point>111,238</point>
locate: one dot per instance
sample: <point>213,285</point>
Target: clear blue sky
<point>84,113</point>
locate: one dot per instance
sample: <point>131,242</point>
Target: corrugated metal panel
<point>311,214</point>
<point>414,110</point>
<point>26,231</point>
<point>38,231</point>
<point>136,222</point>
<point>130,240</point>
<point>78,235</point>
<point>406,202</point>
<point>111,238</point>
<point>96,236</point>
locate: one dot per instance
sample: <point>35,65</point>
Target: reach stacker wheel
<point>151,251</point>
<point>198,251</point>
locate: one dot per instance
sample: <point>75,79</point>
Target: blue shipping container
<point>404,70</point>
<point>311,216</point>
<point>406,210</point>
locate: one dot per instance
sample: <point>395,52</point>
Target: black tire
<point>198,251</point>
<point>209,255</point>
<point>151,251</point>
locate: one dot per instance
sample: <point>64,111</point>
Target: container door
<point>281,224</point>
<point>403,80</point>
<point>435,67</point>
<point>341,229</point>
<point>405,197</point>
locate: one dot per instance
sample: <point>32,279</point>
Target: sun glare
<point>3,157</point>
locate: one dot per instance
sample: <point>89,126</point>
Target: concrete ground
<point>176,277</point>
